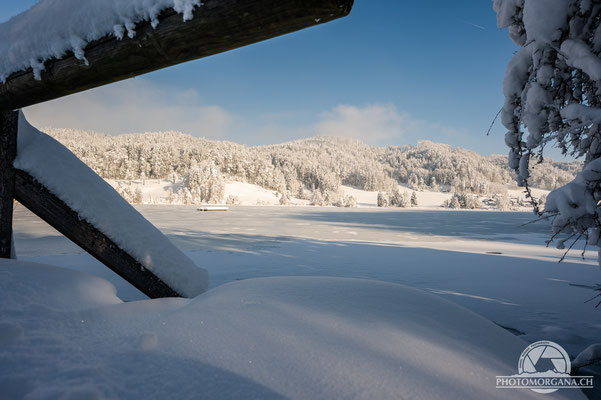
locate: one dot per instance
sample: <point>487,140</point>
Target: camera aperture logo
<point>544,367</point>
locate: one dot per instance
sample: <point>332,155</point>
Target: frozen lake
<point>488,262</point>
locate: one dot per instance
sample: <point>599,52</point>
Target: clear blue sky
<point>394,72</point>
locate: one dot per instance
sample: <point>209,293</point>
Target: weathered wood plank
<point>218,26</point>
<point>55,212</point>
<point>8,150</point>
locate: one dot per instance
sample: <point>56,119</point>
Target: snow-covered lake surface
<point>450,253</point>
<point>486,262</point>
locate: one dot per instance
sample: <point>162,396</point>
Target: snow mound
<point>271,338</point>
<point>52,28</point>
<point>590,355</point>
<point>97,202</point>
<point>26,285</point>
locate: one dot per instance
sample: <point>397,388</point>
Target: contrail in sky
<point>474,25</point>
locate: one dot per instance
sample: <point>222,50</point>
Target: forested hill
<point>318,163</point>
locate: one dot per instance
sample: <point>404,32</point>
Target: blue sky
<point>392,73</point>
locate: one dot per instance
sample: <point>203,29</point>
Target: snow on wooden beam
<point>55,212</point>
<point>217,26</point>
<point>8,151</point>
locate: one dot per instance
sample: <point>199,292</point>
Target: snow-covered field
<point>324,339</point>
<point>157,191</point>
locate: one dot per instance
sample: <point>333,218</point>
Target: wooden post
<point>8,151</point>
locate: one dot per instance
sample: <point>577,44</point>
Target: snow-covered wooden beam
<point>216,26</point>
<point>61,217</point>
<point>8,151</point>
<point>58,187</point>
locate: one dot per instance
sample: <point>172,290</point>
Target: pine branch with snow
<point>552,88</point>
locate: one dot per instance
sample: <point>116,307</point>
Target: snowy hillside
<point>321,170</point>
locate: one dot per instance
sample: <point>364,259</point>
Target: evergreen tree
<point>382,200</point>
<point>317,199</point>
<point>455,203</point>
<point>405,201</point>
<point>413,199</point>
<point>285,199</point>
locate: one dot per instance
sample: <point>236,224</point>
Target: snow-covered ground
<point>70,337</point>
<point>251,195</point>
<point>302,338</point>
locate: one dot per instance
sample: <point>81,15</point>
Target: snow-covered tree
<point>184,196</point>
<point>552,89</point>
<point>542,200</point>
<point>405,200</point>
<point>453,203</point>
<point>502,202</point>
<point>304,194</point>
<point>126,193</point>
<point>171,197</point>
<point>317,199</point>
<point>414,182</point>
<point>382,199</point>
<point>350,201</point>
<point>395,198</point>
<point>137,196</point>
<point>433,184</point>
<point>232,200</point>
<point>472,202</point>
<point>205,184</point>
<point>463,200</point>
<point>130,195</point>
<point>347,201</point>
<point>330,197</point>
<point>285,199</point>
<point>414,199</point>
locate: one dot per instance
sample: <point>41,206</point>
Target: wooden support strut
<point>59,215</point>
<point>8,150</point>
<point>217,26</point>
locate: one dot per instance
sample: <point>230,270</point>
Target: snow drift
<point>272,338</point>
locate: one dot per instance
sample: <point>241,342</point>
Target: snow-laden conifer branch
<point>552,90</point>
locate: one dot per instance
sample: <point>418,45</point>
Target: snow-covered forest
<point>311,169</point>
